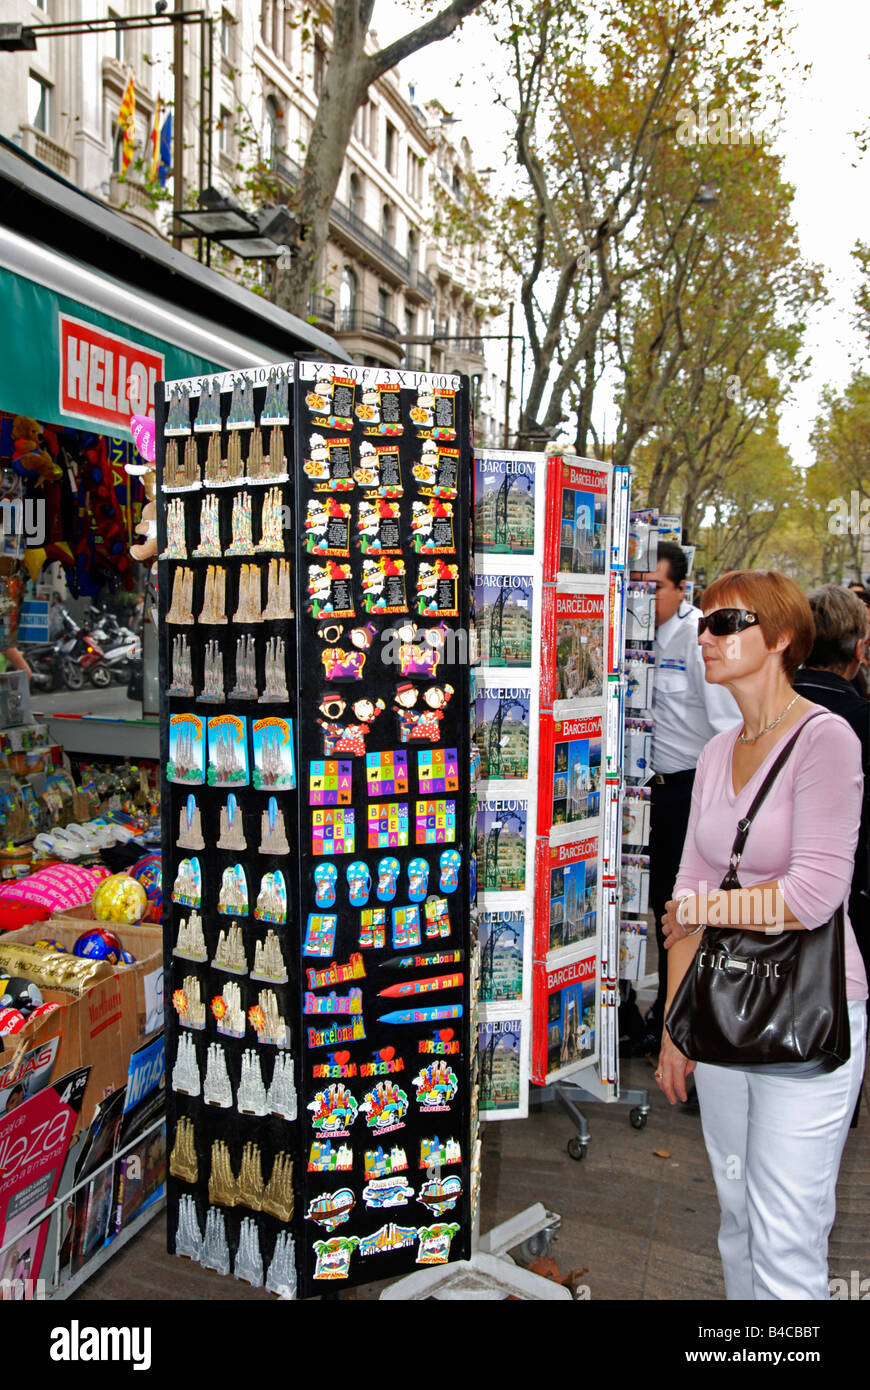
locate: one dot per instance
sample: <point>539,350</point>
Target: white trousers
<point>775,1145</point>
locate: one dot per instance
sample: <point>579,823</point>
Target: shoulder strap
<point>744,824</point>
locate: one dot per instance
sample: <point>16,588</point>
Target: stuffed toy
<point>29,458</point>
<point>146,550</point>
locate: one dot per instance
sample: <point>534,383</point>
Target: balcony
<point>37,144</point>
<point>322,308</point>
<point>134,200</point>
<point>362,321</point>
<point>420,284</point>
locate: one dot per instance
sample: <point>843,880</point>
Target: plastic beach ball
<point>119,898</point>
<point>99,944</point>
<point>147,871</point>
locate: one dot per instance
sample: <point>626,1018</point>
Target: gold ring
<point>658,1076</point>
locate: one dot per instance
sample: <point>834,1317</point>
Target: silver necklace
<point>767,728</point>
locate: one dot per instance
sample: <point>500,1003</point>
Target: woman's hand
<point>672,929</point>
<point>673,1069</point>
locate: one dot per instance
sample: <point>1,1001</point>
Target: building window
<point>319,66</point>
<point>384,305</point>
<point>347,293</point>
<point>278,28</point>
<point>387,222</point>
<point>271,131</point>
<point>117,148</point>
<point>225,131</point>
<point>118,38</point>
<point>355,195</point>
<point>38,103</point>
<point>391,148</point>
<point>409,323</point>
<point>413,247</point>
<point>228,24</point>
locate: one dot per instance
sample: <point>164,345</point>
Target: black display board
<point>359,480</point>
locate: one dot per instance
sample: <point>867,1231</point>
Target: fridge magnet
<point>384,1063</point>
<point>273,836</point>
<point>212,692</point>
<point>333,1003</point>
<point>377,1164</point>
<point>271,523</point>
<point>451,863</point>
<point>387,824</point>
<point>438,771</point>
<point>441,1044</point>
<point>241,413</point>
<point>267,1022</point>
<point>214,600</point>
<point>387,773</point>
<point>333,831</point>
<point>269,964</point>
<point>331,1209</point>
<point>186,750</point>
<point>418,880</point>
<point>379,472</point>
<point>242,542</point>
<point>182,473</point>
<point>232,833</point>
<point>334,1033</point>
<point>385,1107</point>
<point>271,905</point>
<point>323,1158</point>
<point>333,1111</point>
<point>223,468</point>
<point>187,889</point>
<point>437,915</point>
<point>334,974</point>
<point>330,782</point>
<point>176,540</point>
<point>383,585</point>
<point>423,413</point>
<point>336,1065</point>
<point>227,751</point>
<point>183,1162</point>
<point>275,672</point>
<point>381,1193</point>
<point>379,409</point>
<point>359,883</point>
<point>436,1085</point>
<point>341,665</point>
<point>432,527</point>
<point>190,942</point>
<point>373,928</point>
<point>330,591</point>
<point>229,1014</point>
<point>440,1194</point>
<point>433,985</point>
<point>178,414</point>
<point>248,605</point>
<point>340,403</point>
<point>249,1262</point>
<point>378,527</point>
<point>274,765</point>
<point>180,610</point>
<point>233,896</point>
<point>417,651</point>
<point>188,1004</point>
<point>276,407</point>
<point>327,527</point>
<point>389,1237</point>
<point>328,464</point>
<point>406,927</point>
<point>437,589</point>
<point>279,604</point>
<point>209,529</point>
<point>333,1256</point>
<point>420,724</point>
<point>267,467</point>
<point>325,879</point>
<point>434,415</point>
<point>434,1247</point>
<point>435,1154</point>
<point>281,1098</point>
<point>388,879</point>
<point>245,687</point>
<point>182,679</point>
<point>437,473</point>
<point>320,934</point>
<point>347,738</point>
<point>208,415</point>
<point>230,953</point>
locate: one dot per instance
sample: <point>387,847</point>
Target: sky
<point>822,160</point>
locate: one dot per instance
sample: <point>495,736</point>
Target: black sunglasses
<point>725,622</point>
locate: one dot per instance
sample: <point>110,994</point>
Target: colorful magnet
<point>418,880</point>
<point>334,1033</point>
<point>380,409</point>
<point>186,749</point>
<point>389,1237</point>
<point>438,771</point>
<point>273,836</point>
<point>274,763</point>
<point>379,472</point>
<point>328,464</point>
<point>383,583</point>
<point>228,751</point>
<point>388,1192</point>
<point>387,824</point>
<point>385,1107</point>
<point>333,1256</point>
<point>339,665</point>
<point>330,590</point>
<point>187,888</point>
<point>437,472</point>
<point>330,782</point>
<point>373,928</point>
<point>325,879</point>
<point>339,393</point>
<point>435,822</point>
<point>323,1158</point>
<point>272,899</point>
<point>435,1013</point>
<point>437,914</point>
<point>440,1194</point>
<point>347,738</point>
<point>425,724</point>
<point>190,826</point>
<point>333,1111</point>
<point>327,527</point>
<point>233,896</point>
<point>333,830</point>
<point>438,589</point>
<point>378,527</point>
<point>451,863</point>
<point>388,879</point>
<point>433,984</point>
<point>359,883</point>
<point>320,934</point>
<point>436,1085</point>
<point>435,1154</point>
<point>406,927</point>
<point>331,1209</point>
<point>432,527</point>
<point>387,773</point>
<point>434,1247</point>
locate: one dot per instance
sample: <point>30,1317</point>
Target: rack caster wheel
<point>637,1118</point>
<point>534,1248</point>
<point>576,1149</point>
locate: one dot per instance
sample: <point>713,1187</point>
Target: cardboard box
<point>104,1025</point>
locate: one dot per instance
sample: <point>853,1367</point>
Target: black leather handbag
<point>752,999</point>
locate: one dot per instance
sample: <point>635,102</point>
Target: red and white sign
<point>103,378</point>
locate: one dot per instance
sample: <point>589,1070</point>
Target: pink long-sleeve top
<point>803,836</point>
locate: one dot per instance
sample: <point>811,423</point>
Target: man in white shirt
<point>687,712</point>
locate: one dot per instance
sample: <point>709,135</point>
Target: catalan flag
<point>155,143</point>
<point>127,124</point>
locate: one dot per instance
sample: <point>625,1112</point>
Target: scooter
<point>116,660</point>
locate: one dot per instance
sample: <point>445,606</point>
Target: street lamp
<point>218,218</point>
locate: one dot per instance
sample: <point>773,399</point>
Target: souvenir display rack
<point>314,524</point>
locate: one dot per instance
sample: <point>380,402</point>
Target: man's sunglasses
<point>725,622</point>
